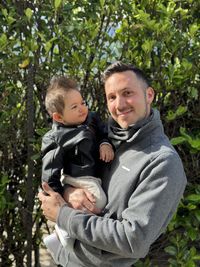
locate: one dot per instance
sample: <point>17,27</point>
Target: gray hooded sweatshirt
<point>144,184</point>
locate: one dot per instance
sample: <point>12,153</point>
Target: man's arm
<point>149,210</point>
<point>77,198</point>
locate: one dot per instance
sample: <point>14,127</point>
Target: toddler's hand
<point>106,152</point>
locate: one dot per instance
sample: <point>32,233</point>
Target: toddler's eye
<point>84,103</point>
<point>74,107</point>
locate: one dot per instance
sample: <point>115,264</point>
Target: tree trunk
<point>30,163</point>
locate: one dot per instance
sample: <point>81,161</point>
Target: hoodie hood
<point>119,135</point>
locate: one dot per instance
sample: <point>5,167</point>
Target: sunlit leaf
<point>4,12</point>
<point>171,250</point>
<point>193,29</point>
<point>193,197</point>
<point>3,40</point>
<point>29,13</point>
<point>177,140</point>
<point>181,110</point>
<point>57,3</point>
<point>24,64</point>
<point>10,20</point>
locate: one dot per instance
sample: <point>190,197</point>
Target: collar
<point>119,135</point>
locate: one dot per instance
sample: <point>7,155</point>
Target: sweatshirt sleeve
<point>148,212</point>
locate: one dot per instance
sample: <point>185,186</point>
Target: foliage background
<point>80,38</point>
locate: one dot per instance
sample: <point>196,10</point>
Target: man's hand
<point>51,202</point>
<point>81,199</point>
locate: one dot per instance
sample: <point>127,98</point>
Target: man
<point>144,183</point>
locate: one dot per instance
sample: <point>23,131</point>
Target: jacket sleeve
<point>101,129</point>
<point>148,212</point>
<point>52,163</point>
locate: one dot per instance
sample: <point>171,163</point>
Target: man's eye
<point>111,98</point>
<point>127,93</point>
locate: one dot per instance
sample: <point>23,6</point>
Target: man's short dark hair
<point>119,66</point>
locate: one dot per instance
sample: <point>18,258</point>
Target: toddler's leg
<point>55,248</point>
<point>66,241</point>
<point>92,184</point>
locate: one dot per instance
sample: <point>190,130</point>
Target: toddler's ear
<point>57,117</point>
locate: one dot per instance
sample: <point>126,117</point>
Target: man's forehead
<point>123,80</point>
<point>125,76</point>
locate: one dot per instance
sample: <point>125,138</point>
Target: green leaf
<point>193,29</point>
<point>183,133</point>
<point>193,92</point>
<point>4,12</point>
<point>147,46</point>
<point>197,214</point>
<point>3,40</point>
<point>171,250</point>
<point>181,110</point>
<point>171,115</point>
<point>191,206</point>
<point>196,257</point>
<point>36,156</point>
<point>177,140</point>
<point>190,263</point>
<point>57,3</point>
<point>193,197</point>
<point>29,13</point>
<point>10,20</point>
<point>41,131</point>
<point>193,251</point>
<point>4,182</point>
<point>102,2</point>
<point>193,141</point>
<point>24,64</point>
<point>192,233</point>
<point>48,46</point>
<point>186,64</point>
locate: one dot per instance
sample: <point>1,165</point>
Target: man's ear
<point>150,95</point>
<point>57,117</point>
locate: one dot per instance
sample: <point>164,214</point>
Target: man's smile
<point>124,113</point>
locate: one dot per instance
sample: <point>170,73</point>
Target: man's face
<point>128,98</point>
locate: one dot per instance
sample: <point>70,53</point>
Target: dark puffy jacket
<point>73,149</point>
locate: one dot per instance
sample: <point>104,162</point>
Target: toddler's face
<point>75,111</point>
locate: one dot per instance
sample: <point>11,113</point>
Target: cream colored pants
<point>90,183</point>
